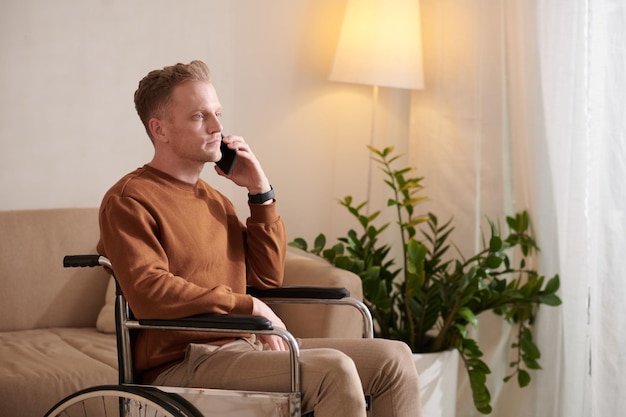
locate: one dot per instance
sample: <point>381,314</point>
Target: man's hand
<point>259,308</point>
<point>247,171</point>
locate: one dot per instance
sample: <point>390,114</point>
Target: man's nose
<point>214,124</point>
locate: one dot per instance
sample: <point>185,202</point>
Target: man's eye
<point>199,116</point>
<point>218,114</point>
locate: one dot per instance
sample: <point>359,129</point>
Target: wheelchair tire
<point>123,401</point>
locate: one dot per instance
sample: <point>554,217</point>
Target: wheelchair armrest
<point>316,295</point>
<point>319,293</point>
<point>214,321</point>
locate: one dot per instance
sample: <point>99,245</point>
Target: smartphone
<point>229,157</point>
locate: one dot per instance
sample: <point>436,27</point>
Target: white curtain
<point>524,108</point>
<point>584,71</point>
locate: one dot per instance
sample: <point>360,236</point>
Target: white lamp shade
<point>380,44</point>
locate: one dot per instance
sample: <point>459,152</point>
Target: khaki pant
<point>335,374</point>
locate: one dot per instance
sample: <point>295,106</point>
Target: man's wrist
<point>262,198</point>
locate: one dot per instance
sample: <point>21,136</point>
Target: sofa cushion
<point>317,320</point>
<point>57,361</point>
<point>106,318</point>
<point>37,292</point>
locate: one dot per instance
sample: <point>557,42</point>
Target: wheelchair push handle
<point>79,261</point>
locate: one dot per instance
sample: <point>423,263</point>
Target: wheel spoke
<point>121,401</point>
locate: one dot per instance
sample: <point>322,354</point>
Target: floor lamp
<point>380,44</point>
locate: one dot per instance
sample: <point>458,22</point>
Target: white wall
<point>68,128</point>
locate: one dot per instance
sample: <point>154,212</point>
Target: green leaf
<point>550,299</point>
<point>403,171</point>
<point>523,378</point>
<point>329,255</point>
<point>461,329</point>
<point>374,288</point>
<point>553,284</point>
<point>531,363</point>
<point>344,262</point>
<point>362,221</point>
<point>417,220</point>
<point>469,316</point>
<point>416,253</point>
<point>493,261</point>
<point>320,242</point>
<point>478,365</point>
<point>470,348</point>
<point>495,244</point>
<point>529,348</point>
<point>414,201</point>
<point>299,243</point>
<point>480,393</point>
<point>338,249</point>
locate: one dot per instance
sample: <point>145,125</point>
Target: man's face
<point>191,123</point>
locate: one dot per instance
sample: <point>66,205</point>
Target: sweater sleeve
<point>129,238</point>
<point>266,244</point>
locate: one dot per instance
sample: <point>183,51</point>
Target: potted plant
<point>433,297</point>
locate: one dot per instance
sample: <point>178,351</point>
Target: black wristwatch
<point>261,198</point>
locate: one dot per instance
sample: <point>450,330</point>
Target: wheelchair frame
<point>189,402</point>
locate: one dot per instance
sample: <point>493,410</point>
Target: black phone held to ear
<point>229,157</point>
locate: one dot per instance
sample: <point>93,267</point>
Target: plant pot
<point>438,382</point>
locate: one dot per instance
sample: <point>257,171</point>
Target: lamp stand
<point>370,168</point>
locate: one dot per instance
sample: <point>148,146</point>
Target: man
<point>178,249</point>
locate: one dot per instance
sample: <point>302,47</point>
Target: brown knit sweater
<point>179,250</point>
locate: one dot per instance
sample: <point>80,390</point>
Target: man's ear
<point>157,129</point>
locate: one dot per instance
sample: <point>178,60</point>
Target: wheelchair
<point>129,399</point>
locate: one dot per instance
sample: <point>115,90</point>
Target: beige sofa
<point>55,325</point>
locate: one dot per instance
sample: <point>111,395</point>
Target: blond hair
<point>155,89</point>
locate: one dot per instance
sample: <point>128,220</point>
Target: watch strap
<point>261,198</point>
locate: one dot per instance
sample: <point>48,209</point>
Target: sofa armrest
<point>305,269</point>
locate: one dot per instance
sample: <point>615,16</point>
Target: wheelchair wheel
<point>123,401</point>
